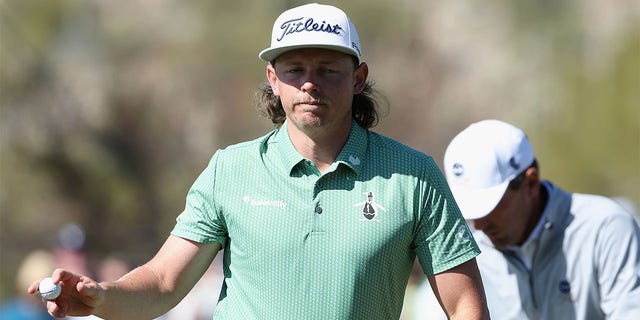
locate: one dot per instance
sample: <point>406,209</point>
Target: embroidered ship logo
<point>369,207</point>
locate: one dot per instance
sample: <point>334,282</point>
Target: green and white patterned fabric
<point>339,245</point>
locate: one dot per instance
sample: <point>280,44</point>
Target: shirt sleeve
<point>443,239</point>
<point>201,220</point>
<point>618,263</point>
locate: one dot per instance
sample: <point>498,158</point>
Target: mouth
<point>310,102</point>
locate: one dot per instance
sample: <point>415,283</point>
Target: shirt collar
<point>537,231</point>
<point>352,154</point>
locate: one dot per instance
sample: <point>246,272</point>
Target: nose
<point>309,83</point>
<point>308,86</point>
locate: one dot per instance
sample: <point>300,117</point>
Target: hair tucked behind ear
<point>365,105</point>
<point>269,105</point>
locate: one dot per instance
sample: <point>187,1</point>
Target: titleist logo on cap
<point>297,25</point>
<point>312,26</point>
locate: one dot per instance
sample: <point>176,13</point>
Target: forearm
<point>470,311</point>
<point>141,294</point>
<point>460,292</point>
<point>470,307</point>
<point>154,288</point>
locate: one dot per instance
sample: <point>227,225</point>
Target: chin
<point>312,121</point>
<point>499,243</point>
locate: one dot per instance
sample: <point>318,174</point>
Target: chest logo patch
<point>565,291</point>
<point>369,208</point>
<point>464,233</point>
<point>354,160</point>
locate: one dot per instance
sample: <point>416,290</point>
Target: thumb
<point>89,288</point>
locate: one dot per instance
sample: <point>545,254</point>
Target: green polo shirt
<point>340,245</point>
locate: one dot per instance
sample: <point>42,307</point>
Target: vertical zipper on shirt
<point>530,279</point>
<point>515,259</point>
<point>547,226</point>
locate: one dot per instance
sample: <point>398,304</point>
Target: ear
<point>532,179</point>
<point>273,79</point>
<point>360,78</point>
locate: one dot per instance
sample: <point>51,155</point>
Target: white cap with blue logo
<point>312,26</point>
<point>481,161</point>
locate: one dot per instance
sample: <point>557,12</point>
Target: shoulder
<point>235,157</point>
<point>246,149</point>
<point>389,155</point>
<point>248,146</point>
<point>598,216</point>
<point>403,161</point>
<point>598,207</point>
<point>391,148</point>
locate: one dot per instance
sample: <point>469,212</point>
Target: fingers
<point>33,288</point>
<point>88,288</point>
<point>54,309</point>
<point>69,281</point>
<point>62,275</point>
<point>80,294</point>
<point>59,275</point>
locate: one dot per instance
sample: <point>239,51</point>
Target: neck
<point>320,147</point>
<point>542,200</point>
<point>536,212</point>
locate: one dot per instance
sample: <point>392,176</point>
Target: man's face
<point>507,224</point>
<point>316,88</point>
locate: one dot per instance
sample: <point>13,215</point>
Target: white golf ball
<point>48,290</point>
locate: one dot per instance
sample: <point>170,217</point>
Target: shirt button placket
<point>318,188</point>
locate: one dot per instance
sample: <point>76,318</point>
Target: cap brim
<point>476,203</point>
<point>271,54</point>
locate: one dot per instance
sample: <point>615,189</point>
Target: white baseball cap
<point>312,26</point>
<point>481,161</point>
